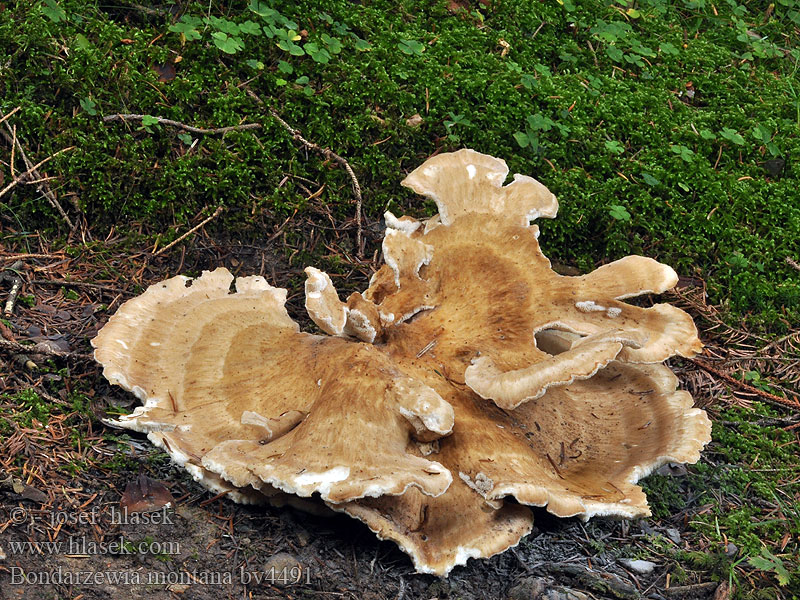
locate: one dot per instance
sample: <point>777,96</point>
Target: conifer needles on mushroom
<point>466,375</point>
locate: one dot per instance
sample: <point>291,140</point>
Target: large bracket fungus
<point>468,381</point>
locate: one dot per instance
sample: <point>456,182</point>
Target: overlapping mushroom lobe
<point>466,375</point>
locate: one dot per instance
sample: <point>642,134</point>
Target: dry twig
<point>14,257</point>
<point>79,284</point>
<point>161,120</point>
<point>190,232</point>
<point>330,155</point>
<point>32,172</point>
<point>766,396</point>
<point>780,341</point>
<point>3,118</point>
<point>10,274</point>
<point>16,347</point>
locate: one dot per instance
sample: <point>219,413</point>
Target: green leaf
<point>738,260</point>
<point>457,120</point>
<point>614,53</point>
<point>363,45</point>
<point>262,9</point>
<point>290,47</point>
<point>255,64</point>
<point>228,44</point>
<point>668,48</point>
<point>148,121</point>
<point>185,138</point>
<point>281,82</point>
<point>82,43</point>
<point>643,50</point>
<point>614,147</point>
<point>53,11</point>
<point>761,133</point>
<point>522,139</point>
<point>186,28</point>
<point>88,105</point>
<point>223,25</point>
<point>411,47</point>
<point>333,44</point>
<point>773,149</point>
<point>318,54</point>
<point>539,122</point>
<point>707,134</point>
<point>285,67</point>
<point>250,28</point>
<point>529,81</point>
<point>620,213</point>
<point>302,80</point>
<point>650,180</point>
<point>732,136</point>
<point>769,562</point>
<point>684,152</point>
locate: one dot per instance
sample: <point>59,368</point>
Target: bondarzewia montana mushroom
<point>468,382</point>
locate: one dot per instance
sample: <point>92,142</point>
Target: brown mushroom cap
<point>468,182</point>
<point>222,393</point>
<point>484,376</point>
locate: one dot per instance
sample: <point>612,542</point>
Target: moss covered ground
<point>666,128</point>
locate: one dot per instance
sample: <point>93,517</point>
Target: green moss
<point>670,78</point>
<point>28,407</point>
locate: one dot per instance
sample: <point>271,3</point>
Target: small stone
<point>647,529</point>
<point>530,588</point>
<point>672,470</point>
<point>674,535</point>
<point>303,537</point>
<point>731,549</point>
<point>774,166</point>
<point>414,120</point>
<point>283,569</point>
<point>639,566</point>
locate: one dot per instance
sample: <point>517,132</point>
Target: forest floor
<point>65,473</point>
<point>141,142</point>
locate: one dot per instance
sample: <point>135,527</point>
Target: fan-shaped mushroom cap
<point>492,290</point>
<point>217,373</point>
<point>486,376</point>
<point>468,182</point>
